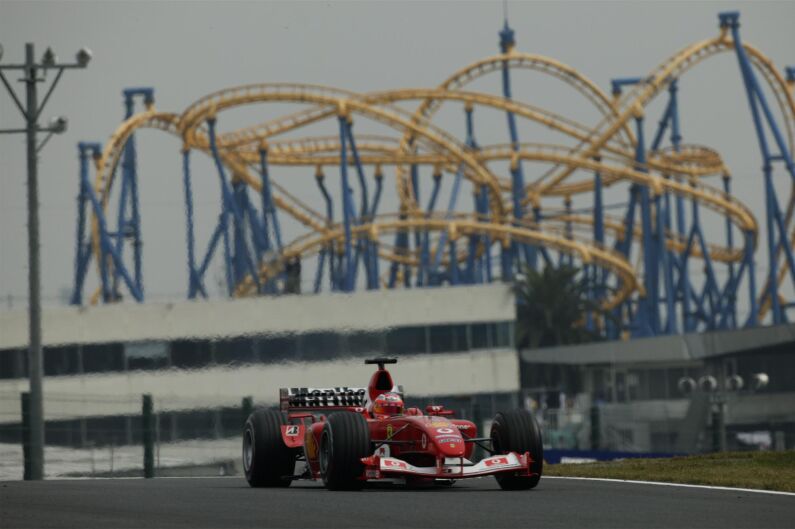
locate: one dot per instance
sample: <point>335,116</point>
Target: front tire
<point>344,441</point>
<point>518,431</point>
<point>266,459</point>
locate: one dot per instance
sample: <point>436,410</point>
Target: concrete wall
<point>287,314</point>
<point>482,371</point>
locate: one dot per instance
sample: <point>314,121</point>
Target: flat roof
<point>682,347</point>
<point>202,319</point>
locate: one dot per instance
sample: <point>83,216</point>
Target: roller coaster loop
<point>637,259</point>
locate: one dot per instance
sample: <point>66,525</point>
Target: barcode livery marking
<point>320,397</point>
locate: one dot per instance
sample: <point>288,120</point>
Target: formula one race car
<point>347,436</point>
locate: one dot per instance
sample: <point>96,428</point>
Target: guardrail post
<point>25,401</point>
<point>246,407</point>
<point>595,428</point>
<point>148,435</point>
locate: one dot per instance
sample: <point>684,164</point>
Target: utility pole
<point>31,112</point>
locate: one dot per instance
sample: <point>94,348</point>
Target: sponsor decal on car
<point>499,461</point>
<point>324,397</point>
<point>463,426</point>
<point>389,431</point>
<point>424,441</point>
<point>443,440</point>
<point>394,463</point>
<point>292,430</point>
<point>444,430</point>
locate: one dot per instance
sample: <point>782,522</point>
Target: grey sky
<point>186,50</point>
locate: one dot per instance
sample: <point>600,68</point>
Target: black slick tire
<point>344,441</point>
<point>266,459</point>
<point>518,431</point>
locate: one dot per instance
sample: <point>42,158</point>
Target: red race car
<point>348,436</point>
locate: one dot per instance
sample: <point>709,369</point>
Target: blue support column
<point>130,227</point>
<point>229,264</point>
<point>451,205</point>
<point>666,263</point>
<point>270,220</point>
<point>347,213</point>
<point>265,193</point>
<point>235,272</point>
<point>363,246</point>
<point>107,248</point>
<point>568,259</point>
<point>452,269</point>
<point>598,278</point>
<point>426,274</point>
<point>379,186</point>
<point>649,308</point>
<point>83,247</point>
<point>753,316</point>
<point>507,43</point>
<point>474,266</point>
<point>731,305</point>
<point>194,284</point>
<point>761,114</point>
<point>484,212</point>
<point>240,254</point>
<point>319,177</point>
<point>363,207</point>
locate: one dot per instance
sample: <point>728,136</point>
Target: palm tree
<point>551,307</point>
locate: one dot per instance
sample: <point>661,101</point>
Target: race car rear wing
<point>309,399</point>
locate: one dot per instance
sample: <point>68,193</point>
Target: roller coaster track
<point>609,149</point>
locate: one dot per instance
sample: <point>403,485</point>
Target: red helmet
<point>388,404</point>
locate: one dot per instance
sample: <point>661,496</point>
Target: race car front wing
<point>377,467</point>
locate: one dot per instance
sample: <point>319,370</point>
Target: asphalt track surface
<point>229,502</point>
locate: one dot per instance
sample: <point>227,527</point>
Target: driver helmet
<point>388,404</point>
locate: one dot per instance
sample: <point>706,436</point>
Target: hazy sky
<point>188,49</point>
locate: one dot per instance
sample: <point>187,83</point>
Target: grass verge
<point>752,470</point>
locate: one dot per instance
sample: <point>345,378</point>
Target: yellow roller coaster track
<point>607,148</point>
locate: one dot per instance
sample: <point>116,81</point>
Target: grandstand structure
<point>508,205</point>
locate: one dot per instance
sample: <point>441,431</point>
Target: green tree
<point>551,307</point>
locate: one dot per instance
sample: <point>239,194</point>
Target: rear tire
<point>518,431</point>
<point>344,441</point>
<point>266,459</point>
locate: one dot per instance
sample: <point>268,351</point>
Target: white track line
<point>665,484</point>
<point>632,481</point>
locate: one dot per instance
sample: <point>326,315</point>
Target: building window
<point>237,351</point>
<point>406,340</point>
<point>61,361</point>
<point>146,355</point>
<point>102,358</point>
<point>363,343</point>
<point>276,348</point>
<point>443,338</point>
<point>190,354</point>
<point>318,345</point>
<point>481,336</point>
<point>13,363</point>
